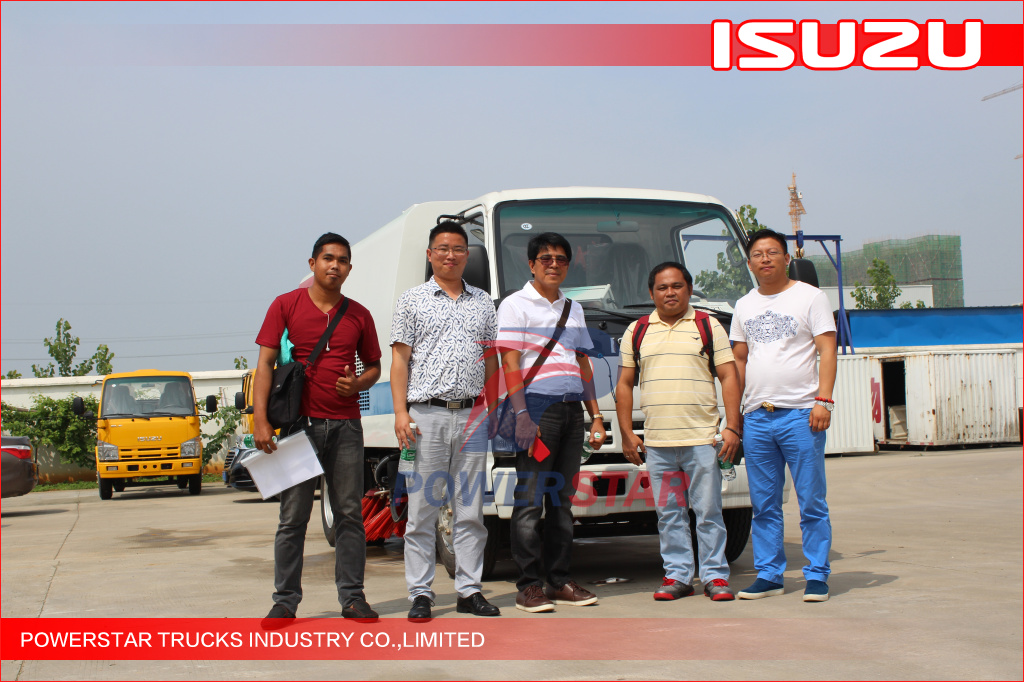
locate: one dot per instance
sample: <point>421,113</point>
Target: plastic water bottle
<point>407,457</point>
<point>249,440</point>
<point>728,468</point>
<point>587,449</point>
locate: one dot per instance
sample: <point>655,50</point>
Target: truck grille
<point>148,452</point>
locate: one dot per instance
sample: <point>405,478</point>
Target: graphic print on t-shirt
<point>769,326</point>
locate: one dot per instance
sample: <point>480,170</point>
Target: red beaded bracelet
<point>826,400</point>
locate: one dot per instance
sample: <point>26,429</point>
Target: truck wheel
<point>118,485</point>
<point>326,513</point>
<point>195,484</point>
<point>182,482</point>
<point>106,488</point>
<point>444,541</point>
<point>737,528</point>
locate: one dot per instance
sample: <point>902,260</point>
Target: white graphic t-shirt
<point>779,331</point>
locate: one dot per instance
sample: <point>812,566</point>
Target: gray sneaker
<point>672,589</point>
<point>718,590</point>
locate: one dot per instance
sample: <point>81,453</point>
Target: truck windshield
<point>615,244</point>
<point>148,397</point>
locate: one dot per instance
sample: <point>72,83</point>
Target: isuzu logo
<point>143,439</point>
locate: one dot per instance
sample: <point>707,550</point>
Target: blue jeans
<point>667,467</point>
<point>772,441</point>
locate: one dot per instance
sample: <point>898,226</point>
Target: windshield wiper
<point>124,415</point>
<point>169,414</point>
<point>640,305</point>
<point>613,313</point>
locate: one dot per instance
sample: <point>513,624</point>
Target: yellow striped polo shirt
<point>677,392</point>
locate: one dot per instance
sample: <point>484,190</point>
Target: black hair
<point>548,239</point>
<point>330,238</point>
<point>447,227</point>
<point>765,233</point>
<point>668,265</point>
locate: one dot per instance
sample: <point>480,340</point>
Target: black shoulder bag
<point>284,405</point>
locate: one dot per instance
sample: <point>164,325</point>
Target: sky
<point>160,209</point>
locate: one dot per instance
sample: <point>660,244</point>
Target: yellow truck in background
<point>148,429</point>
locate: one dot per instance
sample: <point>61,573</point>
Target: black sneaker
<point>420,611</point>
<point>360,611</point>
<point>277,618</point>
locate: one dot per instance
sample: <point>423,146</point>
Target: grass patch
<point>91,485</point>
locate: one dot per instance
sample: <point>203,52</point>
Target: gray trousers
<point>340,449</point>
<point>449,465</point>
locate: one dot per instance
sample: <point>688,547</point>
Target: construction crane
<point>796,209</point>
<point>1013,88</point>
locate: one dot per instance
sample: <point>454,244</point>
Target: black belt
<point>451,404</point>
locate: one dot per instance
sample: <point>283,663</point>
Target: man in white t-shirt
<point>780,330</point>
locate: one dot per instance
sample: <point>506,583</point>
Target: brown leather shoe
<point>532,600</point>
<point>571,594</point>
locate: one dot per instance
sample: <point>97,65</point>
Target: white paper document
<point>293,462</point>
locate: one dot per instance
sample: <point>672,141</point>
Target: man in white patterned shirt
<point>439,334</point>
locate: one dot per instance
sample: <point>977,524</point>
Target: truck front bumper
<point>152,467</point>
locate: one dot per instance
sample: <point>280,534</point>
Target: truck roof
<point>147,373</point>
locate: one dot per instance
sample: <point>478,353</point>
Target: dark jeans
<point>544,555</point>
<point>340,446</point>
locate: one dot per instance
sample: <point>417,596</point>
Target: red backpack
<point>703,321</point>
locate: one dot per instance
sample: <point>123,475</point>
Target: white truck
<point>617,236</point>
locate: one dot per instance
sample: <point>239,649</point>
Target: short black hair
<point>765,233</point>
<point>548,239</point>
<point>668,265</point>
<point>330,238</point>
<point>447,227</point>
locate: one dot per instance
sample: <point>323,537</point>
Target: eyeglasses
<point>758,255</point>
<point>547,259</point>
<point>444,250</point>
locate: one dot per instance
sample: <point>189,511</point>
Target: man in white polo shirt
<point>547,402</point>
<point>680,405</point>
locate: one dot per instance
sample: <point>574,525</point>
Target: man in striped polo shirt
<point>680,406</point>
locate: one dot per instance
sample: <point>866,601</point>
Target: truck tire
<point>182,482</point>
<point>106,488</point>
<point>737,528</point>
<point>195,484</point>
<point>118,485</point>
<point>443,541</point>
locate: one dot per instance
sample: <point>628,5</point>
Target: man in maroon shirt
<point>330,416</point>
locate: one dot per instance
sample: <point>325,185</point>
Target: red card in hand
<point>539,451</point>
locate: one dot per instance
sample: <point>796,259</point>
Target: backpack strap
<point>638,338</point>
<point>707,338</point>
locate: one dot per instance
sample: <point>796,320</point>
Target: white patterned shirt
<point>448,338</point>
<point>779,331</point>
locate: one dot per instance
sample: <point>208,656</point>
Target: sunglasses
<point>547,259</point>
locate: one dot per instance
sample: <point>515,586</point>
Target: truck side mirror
<point>802,270</point>
<point>239,401</point>
<point>211,404</point>
<point>78,406</point>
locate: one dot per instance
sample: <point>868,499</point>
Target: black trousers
<point>542,551</point>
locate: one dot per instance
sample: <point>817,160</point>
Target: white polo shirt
<point>526,322</point>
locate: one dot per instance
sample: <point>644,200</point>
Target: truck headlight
<point>190,448</point>
<point>106,452</point>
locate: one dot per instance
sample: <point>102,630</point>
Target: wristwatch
<point>826,403</point>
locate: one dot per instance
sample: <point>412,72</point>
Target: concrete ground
<point>926,583</point>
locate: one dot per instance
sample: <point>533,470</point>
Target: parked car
<point>235,475</point>
<point>20,473</point>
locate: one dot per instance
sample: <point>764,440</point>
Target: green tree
<point>13,374</point>
<point>63,348</point>
<point>228,417</point>
<point>882,293</point>
<point>731,280</point>
<point>747,215</point>
<point>241,362</point>
<point>51,422</point>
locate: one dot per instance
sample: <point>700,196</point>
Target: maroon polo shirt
<point>296,312</point>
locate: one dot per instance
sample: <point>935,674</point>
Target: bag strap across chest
<point>707,339</point>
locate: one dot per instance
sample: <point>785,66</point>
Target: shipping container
<point>945,398</point>
<point>851,427</point>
